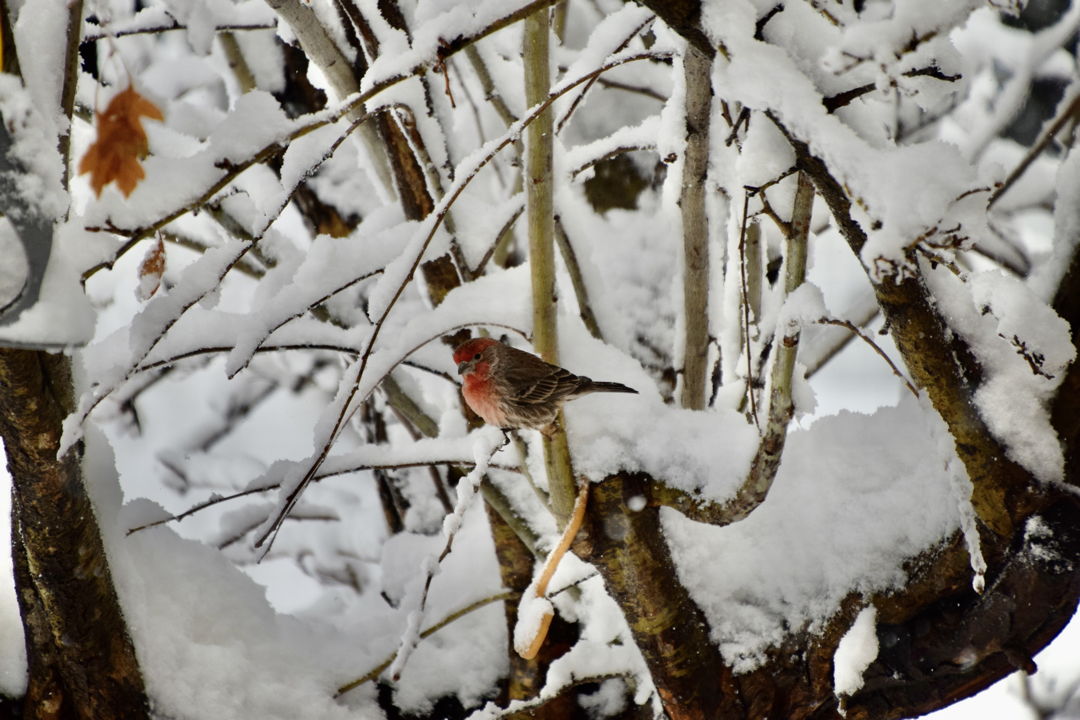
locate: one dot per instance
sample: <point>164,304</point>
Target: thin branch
<point>1070,112</point>
<point>378,670</point>
<point>349,350</point>
<point>493,248</point>
<point>576,279</point>
<point>835,102</point>
<point>104,33</point>
<point>217,499</point>
<point>585,90</point>
<point>617,151</point>
<point>746,313</point>
<point>295,517</point>
<point>853,328</point>
<point>647,92</point>
<point>467,488</point>
<point>825,347</point>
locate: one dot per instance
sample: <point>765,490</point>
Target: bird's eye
<point>476,356</point>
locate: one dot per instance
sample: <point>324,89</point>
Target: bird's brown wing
<point>534,381</point>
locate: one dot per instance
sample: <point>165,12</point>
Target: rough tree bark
<point>81,660</point>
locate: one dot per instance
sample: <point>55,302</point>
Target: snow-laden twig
<point>628,12</point>
<point>338,469</point>
<point>472,607</point>
<point>150,326</point>
<point>488,442</point>
<point>347,106</point>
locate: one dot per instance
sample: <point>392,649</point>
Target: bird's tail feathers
<point>610,387</point>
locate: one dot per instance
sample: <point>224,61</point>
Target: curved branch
<point>939,362</point>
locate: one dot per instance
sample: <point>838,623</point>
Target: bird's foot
<point>506,437</point>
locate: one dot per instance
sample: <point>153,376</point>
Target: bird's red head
<point>468,354</point>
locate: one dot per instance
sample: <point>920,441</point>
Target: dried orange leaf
<point>121,143</point>
<point>150,271</point>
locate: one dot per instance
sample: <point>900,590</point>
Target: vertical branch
<point>574,269</point>
<point>696,67</point>
<point>754,266</point>
<point>786,342</point>
<point>71,79</point>
<point>541,214</point>
<point>746,311</point>
<point>629,550</point>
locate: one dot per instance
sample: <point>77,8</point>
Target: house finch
<point>509,388</point>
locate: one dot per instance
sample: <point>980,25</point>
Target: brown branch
<point>835,102</point>
<point>81,661</point>
<point>576,279</point>
<point>862,336</point>
<point>1070,112</point>
<point>629,550</point>
<point>647,92</point>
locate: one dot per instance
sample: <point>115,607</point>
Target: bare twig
<point>92,35</point>
<point>217,499</point>
<point>851,326</point>
<point>615,85</point>
<point>576,279</point>
<point>500,239</point>
<point>617,151</point>
<point>832,340</point>
<point>1071,111</point>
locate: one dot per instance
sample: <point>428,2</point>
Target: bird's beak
<point>463,366</point>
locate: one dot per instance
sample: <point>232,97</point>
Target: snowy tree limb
<point>931,352</point>
<point>629,550</point>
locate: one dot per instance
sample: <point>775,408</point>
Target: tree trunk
<point>81,660</point>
